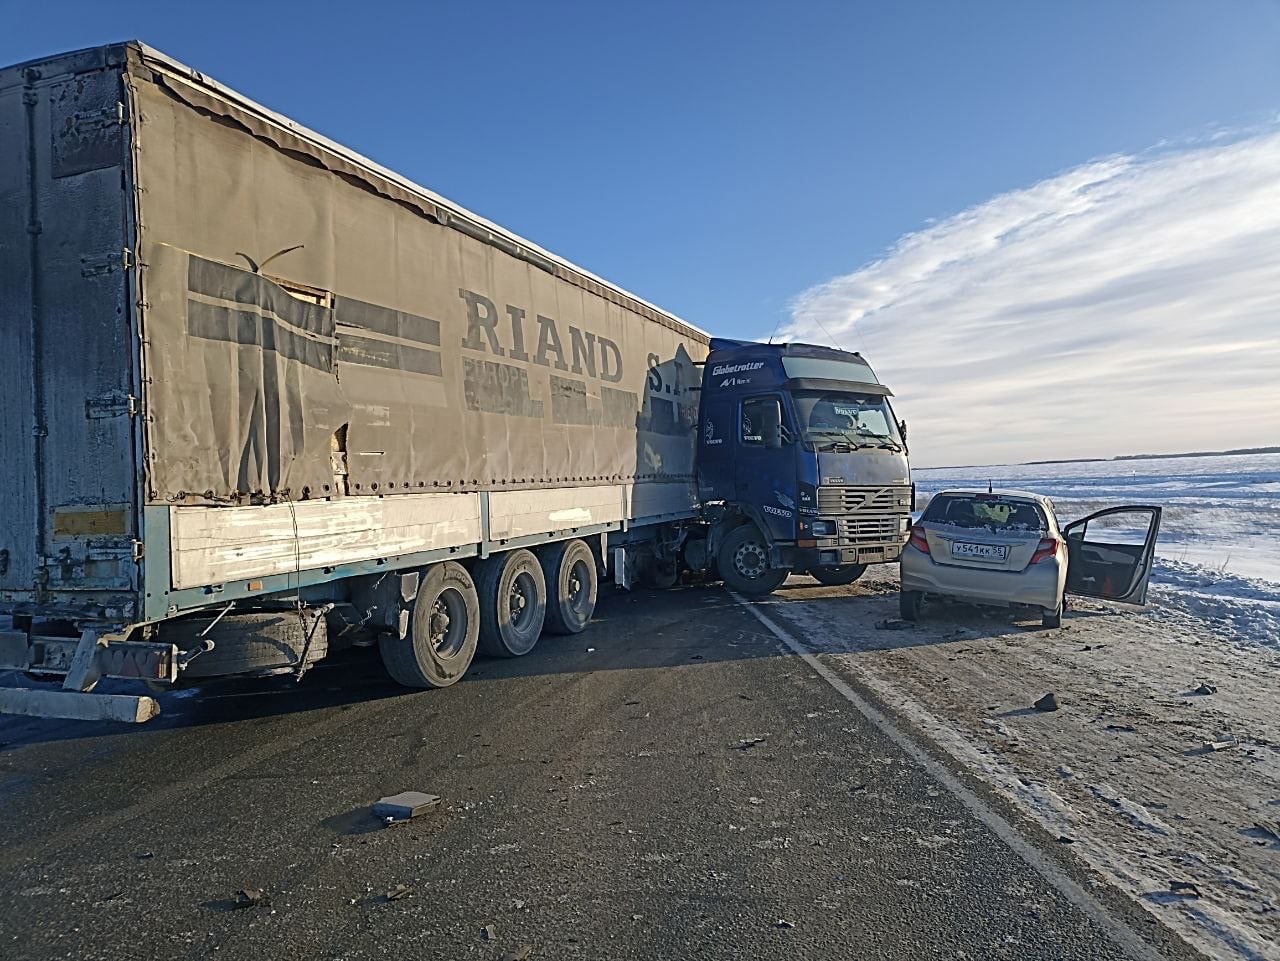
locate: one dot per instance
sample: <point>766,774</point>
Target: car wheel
<point>1052,618</point>
<point>909,604</point>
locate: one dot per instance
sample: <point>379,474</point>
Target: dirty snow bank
<point>1244,610</point>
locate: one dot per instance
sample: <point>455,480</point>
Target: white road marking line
<point>1120,933</point>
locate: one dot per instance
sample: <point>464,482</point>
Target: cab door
<point>764,472</point>
<point>1110,554</point>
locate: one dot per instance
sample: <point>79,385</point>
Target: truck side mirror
<point>771,426</point>
<point>902,429</point>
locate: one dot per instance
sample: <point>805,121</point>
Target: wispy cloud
<point>1130,304</point>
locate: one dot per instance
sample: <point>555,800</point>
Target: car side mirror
<point>902,429</point>
<point>771,426</point>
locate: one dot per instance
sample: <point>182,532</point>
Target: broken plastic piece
<point>249,897</point>
<point>405,805</point>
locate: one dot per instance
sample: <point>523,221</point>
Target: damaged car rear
<point>1006,548</point>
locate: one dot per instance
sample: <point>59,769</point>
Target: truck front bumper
<point>799,558</point>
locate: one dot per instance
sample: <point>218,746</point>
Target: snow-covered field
<point>1219,546</point>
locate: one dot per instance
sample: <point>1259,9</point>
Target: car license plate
<point>980,552</point>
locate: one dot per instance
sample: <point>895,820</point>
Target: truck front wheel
<point>743,561</point>
<point>442,632</point>
<point>838,576</point>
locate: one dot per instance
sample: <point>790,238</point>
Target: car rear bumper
<point>1040,585</point>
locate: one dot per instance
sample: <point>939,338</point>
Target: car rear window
<point>989,511</point>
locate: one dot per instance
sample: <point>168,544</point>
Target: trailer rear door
<point>68,469</point>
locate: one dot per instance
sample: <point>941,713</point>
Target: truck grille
<point>870,528</point>
<point>835,501</point>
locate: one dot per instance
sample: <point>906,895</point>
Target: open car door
<point>1110,553</point>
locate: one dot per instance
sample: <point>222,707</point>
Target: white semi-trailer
<point>263,398</point>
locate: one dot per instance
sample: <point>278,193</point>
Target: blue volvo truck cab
<point>802,465</point>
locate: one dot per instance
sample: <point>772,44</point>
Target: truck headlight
<point>823,528</point>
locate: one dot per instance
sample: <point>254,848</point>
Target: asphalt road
<point>603,797</point>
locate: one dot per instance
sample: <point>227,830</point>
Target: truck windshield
<point>844,418</point>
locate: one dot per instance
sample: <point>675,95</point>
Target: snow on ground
<point>1246,610</point>
<point>1143,779</point>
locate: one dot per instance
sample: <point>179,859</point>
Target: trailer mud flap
<point>127,708</point>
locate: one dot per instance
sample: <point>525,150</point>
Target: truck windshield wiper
<point>879,440</point>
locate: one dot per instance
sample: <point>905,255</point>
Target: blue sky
<point>721,159</point>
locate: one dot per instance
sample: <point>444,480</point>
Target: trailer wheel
<point>572,584</point>
<point>442,634</point>
<point>513,603</point>
<point>838,576</point>
<point>743,561</point>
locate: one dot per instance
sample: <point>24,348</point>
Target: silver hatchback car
<point>1005,547</point>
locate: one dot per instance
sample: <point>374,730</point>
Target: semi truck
<point>264,399</point>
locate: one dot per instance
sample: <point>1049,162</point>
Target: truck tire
<point>260,643</point>
<point>513,603</point>
<point>442,632</point>
<point>743,560</point>
<point>569,569</point>
<point>838,576</point>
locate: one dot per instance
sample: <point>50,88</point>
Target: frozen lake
<point>1220,513</point>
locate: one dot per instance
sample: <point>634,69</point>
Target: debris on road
<point>783,923</point>
<point>248,898</point>
<point>1047,703</point>
<point>488,933</point>
<point>1063,839</point>
<point>1222,745</point>
<point>747,743</point>
<point>1184,887</point>
<point>398,892</point>
<point>518,954</point>
<point>1204,687</point>
<point>405,805</point>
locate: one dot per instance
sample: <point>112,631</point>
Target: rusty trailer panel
<point>68,347</point>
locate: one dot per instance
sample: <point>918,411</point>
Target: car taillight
<point>1048,547</point>
<point>918,540</point>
